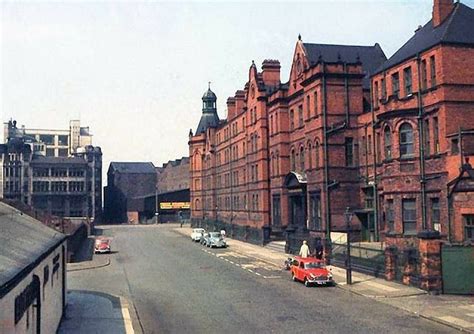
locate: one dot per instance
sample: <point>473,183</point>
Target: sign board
<point>174,205</point>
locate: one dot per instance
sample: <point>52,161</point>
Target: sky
<point>135,72</point>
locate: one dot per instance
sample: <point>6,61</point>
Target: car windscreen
<point>214,234</point>
<point>314,265</point>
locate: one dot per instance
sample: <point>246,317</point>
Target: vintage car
<point>102,245</point>
<point>213,239</point>
<point>310,271</point>
<point>197,233</point>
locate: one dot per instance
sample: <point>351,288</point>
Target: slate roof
<point>133,167</point>
<point>208,120</point>
<point>371,57</point>
<point>458,28</point>
<point>23,241</point>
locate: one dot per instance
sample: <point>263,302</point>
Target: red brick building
<point>349,129</point>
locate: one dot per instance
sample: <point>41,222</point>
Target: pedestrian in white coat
<point>304,250</point>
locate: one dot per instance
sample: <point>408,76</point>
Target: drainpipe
<point>346,97</point>
<point>269,178</point>
<point>421,136</point>
<point>374,166</point>
<point>326,156</point>
<point>366,154</point>
<point>450,204</point>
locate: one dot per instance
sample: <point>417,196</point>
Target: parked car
<point>214,239</point>
<point>102,245</point>
<point>197,233</point>
<point>310,271</point>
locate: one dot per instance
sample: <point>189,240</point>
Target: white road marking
<point>232,262</point>
<point>470,314</point>
<point>250,270</point>
<point>457,321</point>
<point>234,254</point>
<point>127,321</point>
<point>249,265</point>
<point>258,274</point>
<point>271,277</point>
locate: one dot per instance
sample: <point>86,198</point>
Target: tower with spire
<point>209,116</point>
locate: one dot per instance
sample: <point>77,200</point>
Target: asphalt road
<point>178,286</point>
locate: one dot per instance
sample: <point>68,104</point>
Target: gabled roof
<point>133,167</point>
<point>457,28</point>
<point>24,241</point>
<point>371,57</point>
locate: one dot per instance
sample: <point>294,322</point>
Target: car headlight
<point>330,276</point>
<point>312,276</point>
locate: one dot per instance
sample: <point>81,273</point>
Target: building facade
<point>127,185</point>
<point>173,175</point>
<point>387,138</point>
<point>53,142</point>
<point>61,186</point>
<point>33,280</point>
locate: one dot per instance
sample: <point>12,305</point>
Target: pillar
<point>430,261</point>
<point>390,262</point>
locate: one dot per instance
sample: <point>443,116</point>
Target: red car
<point>102,245</point>
<point>310,271</point>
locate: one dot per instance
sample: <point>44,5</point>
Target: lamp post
<point>156,205</point>
<point>348,216</point>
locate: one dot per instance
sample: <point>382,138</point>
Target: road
<point>178,286</point>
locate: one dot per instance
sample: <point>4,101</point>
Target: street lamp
<point>348,216</point>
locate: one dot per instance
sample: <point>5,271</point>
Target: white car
<point>197,233</point>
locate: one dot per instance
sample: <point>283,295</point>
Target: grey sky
<point>135,71</point>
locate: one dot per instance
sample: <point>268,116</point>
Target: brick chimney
<point>441,10</point>
<point>271,72</point>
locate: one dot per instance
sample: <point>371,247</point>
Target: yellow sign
<point>174,205</point>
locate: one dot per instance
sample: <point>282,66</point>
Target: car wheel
<point>306,283</point>
<point>293,277</point>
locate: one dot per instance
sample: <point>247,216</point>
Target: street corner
<point>97,262</point>
<point>97,312</point>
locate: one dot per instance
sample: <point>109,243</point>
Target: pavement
<point>452,310</point>
<point>92,311</point>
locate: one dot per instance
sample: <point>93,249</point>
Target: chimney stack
<point>441,10</point>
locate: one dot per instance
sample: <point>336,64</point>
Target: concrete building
<point>50,142</point>
<point>32,274</point>
<point>63,186</point>
<point>386,138</point>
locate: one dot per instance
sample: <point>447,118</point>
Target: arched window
<point>197,204</point>
<point>387,137</point>
<point>310,159</point>
<point>292,160</point>
<point>302,159</point>
<point>406,140</point>
<point>316,155</point>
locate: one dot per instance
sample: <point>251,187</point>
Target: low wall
<point>75,240</point>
